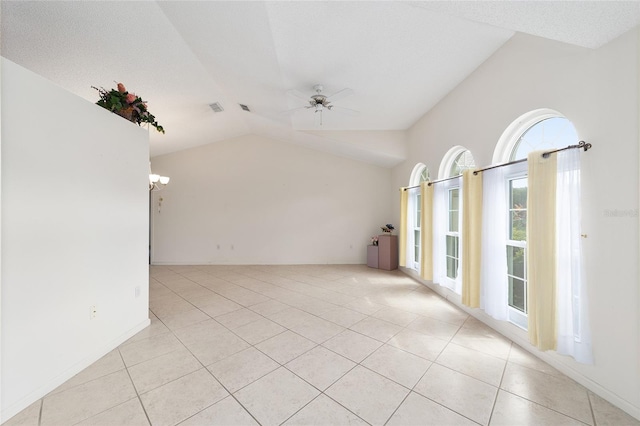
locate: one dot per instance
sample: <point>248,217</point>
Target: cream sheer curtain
<point>494,297</point>
<point>574,336</point>
<point>471,237</point>
<point>402,237</point>
<point>426,231</point>
<point>541,250</point>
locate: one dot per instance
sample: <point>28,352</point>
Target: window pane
<point>416,236</point>
<point>452,246</point>
<point>454,203</point>
<point>454,199</point>
<point>418,206</point>
<point>518,209</point>
<point>518,226</point>
<point>517,292</point>
<point>452,267</point>
<point>463,161</point>
<point>424,176</point>
<point>556,132</point>
<point>518,193</point>
<point>453,221</point>
<point>515,261</point>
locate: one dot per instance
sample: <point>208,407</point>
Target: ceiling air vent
<point>216,107</point>
<point>244,108</point>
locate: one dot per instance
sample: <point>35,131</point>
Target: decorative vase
<point>126,113</point>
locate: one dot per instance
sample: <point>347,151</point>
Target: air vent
<point>216,107</point>
<point>244,108</point>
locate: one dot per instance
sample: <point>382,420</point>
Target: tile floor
<point>313,345</point>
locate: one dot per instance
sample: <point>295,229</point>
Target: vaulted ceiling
<point>399,58</point>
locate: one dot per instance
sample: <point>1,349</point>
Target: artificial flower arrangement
<point>127,105</point>
<point>374,240</point>
<point>387,228</point>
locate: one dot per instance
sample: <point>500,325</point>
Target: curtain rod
<point>582,144</point>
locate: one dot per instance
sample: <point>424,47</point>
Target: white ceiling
<point>400,58</point>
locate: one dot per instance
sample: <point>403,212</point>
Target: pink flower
<point>131,97</point>
<point>121,88</point>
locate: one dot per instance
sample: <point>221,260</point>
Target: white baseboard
<point>43,390</point>
<point>520,337</point>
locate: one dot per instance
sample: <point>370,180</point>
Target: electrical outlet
<point>93,312</point>
<point>137,291</point>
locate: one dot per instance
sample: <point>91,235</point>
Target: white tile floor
<point>313,345</point>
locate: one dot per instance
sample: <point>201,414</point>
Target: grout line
<point>504,370</point>
<point>134,387</point>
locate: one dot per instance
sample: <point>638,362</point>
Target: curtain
<point>494,296</point>
<point>439,223</point>
<point>457,283</point>
<point>541,250</point>
<point>426,231</point>
<point>402,237</point>
<point>411,225</point>
<point>574,337</point>
<point>471,237</point>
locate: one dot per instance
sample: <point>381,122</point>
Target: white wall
<point>253,200</point>
<point>598,91</point>
<point>74,234</point>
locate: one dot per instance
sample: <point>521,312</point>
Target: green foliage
<point>519,197</point>
<point>127,105</point>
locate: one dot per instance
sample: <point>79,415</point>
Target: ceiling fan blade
<point>290,111</point>
<point>346,111</point>
<point>340,94</point>
<point>298,95</point>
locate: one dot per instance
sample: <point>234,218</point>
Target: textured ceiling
<point>399,58</point>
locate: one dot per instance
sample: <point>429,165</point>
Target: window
<point>537,130</point>
<point>516,250</point>
<point>420,174</point>
<point>453,233</point>
<point>455,161</point>
<point>550,133</point>
<point>447,255</point>
<point>463,161</point>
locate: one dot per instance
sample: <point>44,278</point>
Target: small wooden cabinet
<point>388,252</point>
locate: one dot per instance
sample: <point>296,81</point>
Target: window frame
<point>419,174</point>
<point>514,315</point>
<point>454,234</point>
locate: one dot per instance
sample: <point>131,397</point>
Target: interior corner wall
<point>598,91</point>
<point>74,235</point>
<point>255,200</point>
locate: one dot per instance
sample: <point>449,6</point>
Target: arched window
<point>542,129</point>
<point>453,163</point>
<point>536,130</point>
<point>463,161</point>
<point>419,174</point>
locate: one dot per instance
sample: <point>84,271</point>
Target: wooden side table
<point>372,256</point>
<point>388,252</point>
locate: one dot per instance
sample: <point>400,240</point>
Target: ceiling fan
<point>320,102</point>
